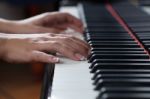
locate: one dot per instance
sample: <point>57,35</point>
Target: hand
<point>55,22</point>
<point>33,47</point>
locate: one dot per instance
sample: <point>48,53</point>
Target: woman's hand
<point>33,47</point>
<point>55,22</point>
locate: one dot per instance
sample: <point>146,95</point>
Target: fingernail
<point>80,57</point>
<point>55,59</point>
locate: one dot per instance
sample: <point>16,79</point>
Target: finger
<point>78,29</point>
<point>54,47</point>
<point>77,40</point>
<point>70,53</point>
<point>47,46</point>
<point>73,20</point>
<point>65,48</point>
<point>43,57</point>
<point>65,26</point>
<point>81,46</point>
<point>77,44</point>
<point>49,30</point>
<point>81,42</point>
<point>68,19</point>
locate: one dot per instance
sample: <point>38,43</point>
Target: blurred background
<point>22,81</point>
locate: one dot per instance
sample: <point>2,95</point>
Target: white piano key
<point>72,80</point>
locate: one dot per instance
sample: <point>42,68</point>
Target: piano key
<point>124,96</point>
<point>105,24</point>
<point>123,82</point>
<point>115,45</point>
<point>110,37</point>
<point>119,61</point>
<point>112,42</point>
<point>120,76</point>
<point>123,90</point>
<point>119,52</point>
<point>118,56</point>
<point>120,71</point>
<point>107,39</point>
<point>106,35</point>
<point>117,49</point>
<point>98,66</point>
<point>107,30</point>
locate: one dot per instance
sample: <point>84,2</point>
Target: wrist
<point>7,26</point>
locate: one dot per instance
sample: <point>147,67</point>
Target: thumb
<point>43,57</point>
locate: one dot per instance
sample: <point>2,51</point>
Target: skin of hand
<point>23,48</point>
<point>54,22</point>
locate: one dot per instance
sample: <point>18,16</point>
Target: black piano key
<point>124,96</point>
<point>137,19</point>
<point>114,53</point>
<point>112,42</point>
<point>149,49</point>
<point>120,71</point>
<point>119,61</point>
<point>115,45</point>
<point>144,37</point>
<point>104,26</point>
<point>118,76</point>
<point>117,52</point>
<point>103,20</point>
<point>109,31</point>
<point>106,30</point>
<point>142,33</point>
<point>117,49</point>
<point>107,39</point>
<point>136,24</point>
<point>99,66</point>
<point>141,29</point>
<point>147,45</point>
<point>118,56</point>
<point>122,89</point>
<point>107,35</point>
<point>123,82</point>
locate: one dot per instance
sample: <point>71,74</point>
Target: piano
<point>119,65</point>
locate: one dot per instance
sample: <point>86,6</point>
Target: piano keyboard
<point>119,64</point>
